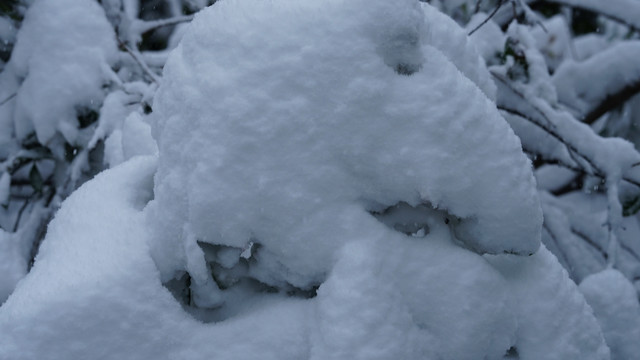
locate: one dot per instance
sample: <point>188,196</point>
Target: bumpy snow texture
<point>56,67</point>
<point>282,126</point>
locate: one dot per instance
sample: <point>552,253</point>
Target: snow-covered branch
<point>600,83</point>
<point>626,12</point>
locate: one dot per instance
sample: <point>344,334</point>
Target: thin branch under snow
<point>597,171</point>
<point>143,65</point>
<point>493,13</point>
<point>141,26</point>
<point>612,102</point>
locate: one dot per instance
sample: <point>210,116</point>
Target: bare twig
<point>146,26</point>
<point>493,13</point>
<point>21,211</point>
<point>8,98</point>
<point>136,56</point>
<point>477,8</point>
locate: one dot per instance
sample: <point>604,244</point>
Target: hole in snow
<point>512,353</point>
<point>409,220</point>
<point>238,273</point>
<point>406,69</point>
<point>402,52</point>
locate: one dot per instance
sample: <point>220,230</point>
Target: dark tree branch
<point>592,243</point>
<point>138,59</point>
<point>612,101</point>
<point>146,26</point>
<point>493,13</point>
<point>8,98</point>
<point>21,211</point>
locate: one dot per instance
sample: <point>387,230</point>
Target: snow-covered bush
<point>318,180</point>
<point>65,93</point>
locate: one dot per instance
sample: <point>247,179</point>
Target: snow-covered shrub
<point>333,181</point>
<point>65,92</point>
<point>568,94</point>
<point>50,91</point>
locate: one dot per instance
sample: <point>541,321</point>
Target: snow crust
<point>615,303</point>
<point>49,90</point>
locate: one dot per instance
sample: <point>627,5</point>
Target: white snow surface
<point>542,292</point>
<point>58,65</point>
<point>95,292</point>
<point>293,152</point>
<point>275,144</point>
<point>615,303</point>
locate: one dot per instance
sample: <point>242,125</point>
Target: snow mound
<point>393,296</point>
<point>275,117</point>
<point>615,304</point>
<point>57,66</point>
<point>319,166</point>
<point>94,292</point>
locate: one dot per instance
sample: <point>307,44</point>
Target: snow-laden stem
<point>546,124</point>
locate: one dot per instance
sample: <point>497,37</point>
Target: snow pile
<point>326,179</point>
<point>95,292</point>
<point>615,304</point>
<point>57,66</point>
<point>292,153</point>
